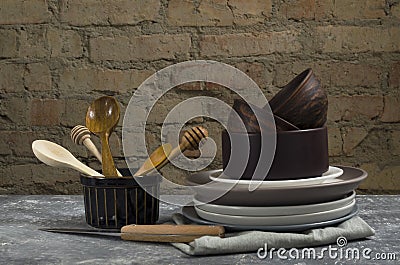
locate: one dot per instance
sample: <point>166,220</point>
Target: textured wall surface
<point>57,56</point>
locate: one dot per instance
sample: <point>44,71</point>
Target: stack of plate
<point>285,205</point>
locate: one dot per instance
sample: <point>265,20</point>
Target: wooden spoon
<point>55,155</point>
<point>101,118</point>
<point>81,136</point>
<point>155,160</point>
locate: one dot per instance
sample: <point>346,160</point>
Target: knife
<point>150,233</point>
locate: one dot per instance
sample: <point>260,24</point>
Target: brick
<point>74,112</point>
<point>389,178</point>
<point>207,13</point>
<point>43,174</point>
<point>332,73</point>
<point>33,43</point>
<point>192,86</point>
<point>367,9</point>
<point>391,110</point>
<point>257,72</point>
<point>352,137</point>
<point>15,109</point>
<point>250,12</point>
<point>11,78</point>
<point>300,9</point>
<point>146,47</point>
<point>6,179</point>
<point>246,44</point>
<point>324,9</point>
<point>394,75</point>
<point>116,145</point>
<point>4,143</point>
<point>395,10</point>
<point>46,112</point>
<point>335,141</point>
<point>24,12</point>
<point>394,142</point>
<point>214,87</point>
<point>8,43</point>
<point>358,39</point>
<point>354,107</point>
<point>349,9</point>
<point>352,75</point>
<point>17,143</point>
<point>94,79</point>
<point>64,43</point>
<point>104,12</point>
<point>49,42</point>
<point>37,77</point>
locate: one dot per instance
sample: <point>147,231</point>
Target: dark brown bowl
<point>247,113</point>
<point>302,102</point>
<point>298,154</point>
<point>115,202</point>
<point>275,196</point>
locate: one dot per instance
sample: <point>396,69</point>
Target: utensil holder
<point>115,202</point>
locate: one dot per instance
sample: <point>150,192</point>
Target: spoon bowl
<point>55,155</point>
<point>101,118</point>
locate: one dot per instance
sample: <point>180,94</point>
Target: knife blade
<point>150,233</point>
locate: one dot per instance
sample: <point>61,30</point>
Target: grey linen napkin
<point>251,241</point>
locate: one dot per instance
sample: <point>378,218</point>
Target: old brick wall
<point>57,56</point>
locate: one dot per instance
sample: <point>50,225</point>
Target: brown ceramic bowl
<point>298,154</point>
<point>248,114</point>
<point>275,196</point>
<point>302,102</point>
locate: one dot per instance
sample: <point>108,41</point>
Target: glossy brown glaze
<point>248,114</point>
<point>298,154</point>
<point>302,102</point>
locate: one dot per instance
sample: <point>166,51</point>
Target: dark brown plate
<point>278,196</point>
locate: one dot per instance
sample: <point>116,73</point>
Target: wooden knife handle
<point>169,233</point>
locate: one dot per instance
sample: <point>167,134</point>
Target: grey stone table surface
<point>22,243</point>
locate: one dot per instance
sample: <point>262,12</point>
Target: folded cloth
<point>251,241</point>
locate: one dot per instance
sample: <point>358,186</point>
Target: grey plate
<point>209,192</point>
<point>190,213</point>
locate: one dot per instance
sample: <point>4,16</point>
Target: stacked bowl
<point>300,191</point>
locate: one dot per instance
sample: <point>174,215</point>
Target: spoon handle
<point>93,149</point>
<point>79,166</point>
<point>108,166</point>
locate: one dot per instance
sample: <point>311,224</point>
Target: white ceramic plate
<point>333,172</point>
<point>274,210</point>
<point>190,213</point>
<point>279,219</point>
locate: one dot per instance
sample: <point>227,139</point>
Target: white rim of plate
<point>279,219</point>
<point>333,172</point>
<point>273,210</point>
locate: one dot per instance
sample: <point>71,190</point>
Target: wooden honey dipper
<point>191,138</point>
<point>80,135</point>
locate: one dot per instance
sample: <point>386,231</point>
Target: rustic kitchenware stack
<point>300,191</point>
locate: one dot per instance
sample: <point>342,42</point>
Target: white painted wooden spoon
<point>55,155</point>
